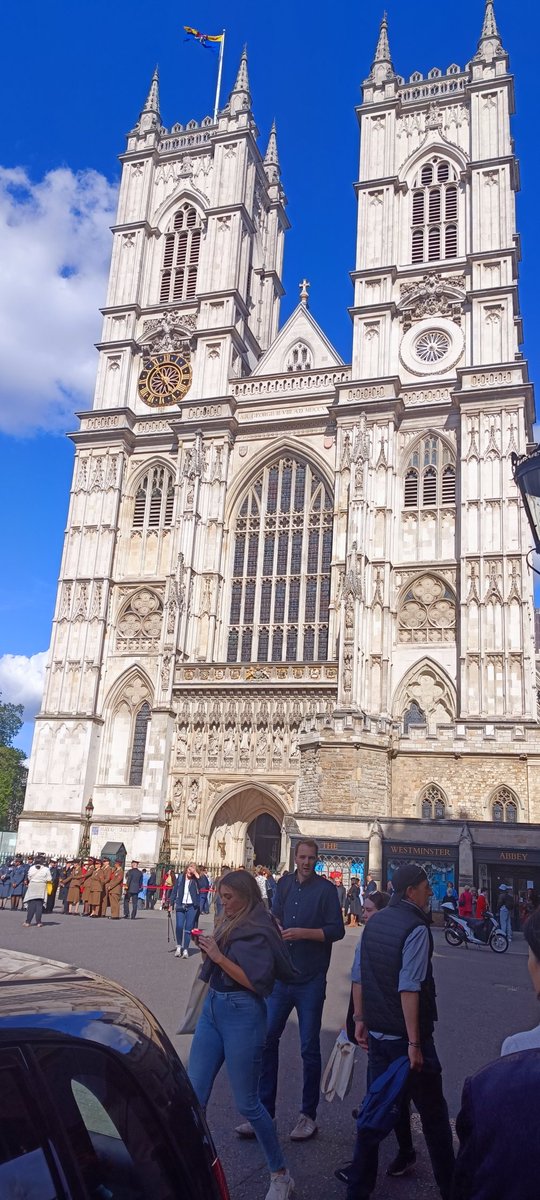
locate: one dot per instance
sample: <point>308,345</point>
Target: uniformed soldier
<point>114,890</point>
<point>104,876</point>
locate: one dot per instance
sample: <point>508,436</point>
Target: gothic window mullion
<point>289,624</point>
<point>256,622</point>
<point>304,570</point>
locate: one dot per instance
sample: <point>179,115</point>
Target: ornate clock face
<point>164,379</point>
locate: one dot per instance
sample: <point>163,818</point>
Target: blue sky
<point>75,76</point>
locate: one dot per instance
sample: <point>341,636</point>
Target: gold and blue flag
<point>210,41</point>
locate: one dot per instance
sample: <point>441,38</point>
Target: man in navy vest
<point>395,1013</point>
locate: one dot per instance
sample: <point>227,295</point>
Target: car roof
<point>38,993</point>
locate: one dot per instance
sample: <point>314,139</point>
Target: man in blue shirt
<point>308,911</point>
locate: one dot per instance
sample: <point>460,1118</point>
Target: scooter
<point>460,931</point>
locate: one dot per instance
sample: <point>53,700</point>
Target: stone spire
<point>152,99</point>
<point>490,41</point>
<point>271,159</point>
<point>240,98</point>
<point>382,66</point>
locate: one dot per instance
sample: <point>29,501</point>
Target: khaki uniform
<point>104,875</point>
<point>114,890</point>
<point>75,886</point>
<point>93,890</point>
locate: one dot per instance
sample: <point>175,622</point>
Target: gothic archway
<point>247,822</point>
<point>263,842</point>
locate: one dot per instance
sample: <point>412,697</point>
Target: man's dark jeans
<point>424,1088</point>
<point>134,898</point>
<point>308,1000</point>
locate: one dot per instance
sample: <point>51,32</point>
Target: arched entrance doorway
<point>263,842</point>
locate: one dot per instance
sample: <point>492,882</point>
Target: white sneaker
<point>177,952</point>
<point>185,954</point>
<point>281,1187</point>
<point>304,1129</point>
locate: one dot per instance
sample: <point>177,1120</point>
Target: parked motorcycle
<point>462,931</point>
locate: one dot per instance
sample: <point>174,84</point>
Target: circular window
<point>432,346</point>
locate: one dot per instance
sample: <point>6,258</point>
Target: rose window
<point>432,346</point>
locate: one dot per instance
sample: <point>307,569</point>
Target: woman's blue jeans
<point>232,1030</point>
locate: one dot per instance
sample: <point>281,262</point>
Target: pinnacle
<point>152,100</point>
<point>382,53</point>
<point>382,66</point>
<point>271,158</point>
<point>242,79</point>
<point>490,32</point>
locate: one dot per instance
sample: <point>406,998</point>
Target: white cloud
<point>22,679</point>
<point>55,247</point>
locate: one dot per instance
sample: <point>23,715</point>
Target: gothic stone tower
<point>294,596</point>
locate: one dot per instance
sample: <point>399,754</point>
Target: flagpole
<point>220,69</point>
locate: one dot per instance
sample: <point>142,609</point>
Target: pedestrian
<point>406,1155</point>
<point>307,909</point>
<point>204,890</point>
<point>151,889</point>
<point>144,888</point>
<point>185,901</point>
<point>5,883</point>
<point>465,903</point>
<point>451,896</point>
<point>243,961</point>
<point>354,903</point>
<point>38,878</point>
<point>500,1160</point>
<point>340,889</point>
<point>65,880</point>
<point>113,888</point>
<point>505,907</point>
<point>75,888</point>
<point>481,904</point>
<point>371,885</point>
<point>132,887</point>
<point>17,883</point>
<point>395,1018</point>
<point>104,876</point>
<point>52,887</point>
<point>92,889</point>
<point>260,880</point>
<point>88,869</point>
<point>169,880</point>
<point>270,887</point>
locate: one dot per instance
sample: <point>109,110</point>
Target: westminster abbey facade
<point>294,597</point>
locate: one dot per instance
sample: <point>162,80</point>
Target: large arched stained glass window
<point>281,567</point>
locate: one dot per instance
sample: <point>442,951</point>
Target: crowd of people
<point>267,958</point>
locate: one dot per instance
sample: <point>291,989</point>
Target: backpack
<point>382,1103</point>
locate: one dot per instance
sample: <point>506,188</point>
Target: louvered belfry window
<point>154,500</point>
<point>430,476</point>
<point>181,257</point>
<point>434,235</point>
<point>138,745</point>
<point>281,567</point>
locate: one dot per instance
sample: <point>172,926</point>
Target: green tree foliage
<point>13,773</point>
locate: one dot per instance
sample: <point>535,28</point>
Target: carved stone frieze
<point>434,295</point>
<point>168,333</point>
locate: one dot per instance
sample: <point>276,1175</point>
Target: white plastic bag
<point>338,1073</point>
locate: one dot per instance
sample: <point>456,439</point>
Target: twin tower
<point>294,596</point>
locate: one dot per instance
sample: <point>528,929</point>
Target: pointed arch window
<point>430,476</point>
<point>434,220</point>
<point>281,567</point>
<point>504,807</point>
<point>433,806</point>
<point>154,500</point>
<point>414,717</point>
<point>181,257</point>
<point>138,745</point>
<point>299,358</point>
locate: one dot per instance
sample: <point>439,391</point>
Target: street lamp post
<point>84,844</point>
<point>165,848</point>
<point>526,472</point>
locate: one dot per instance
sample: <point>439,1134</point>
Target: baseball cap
<point>409,875</point>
